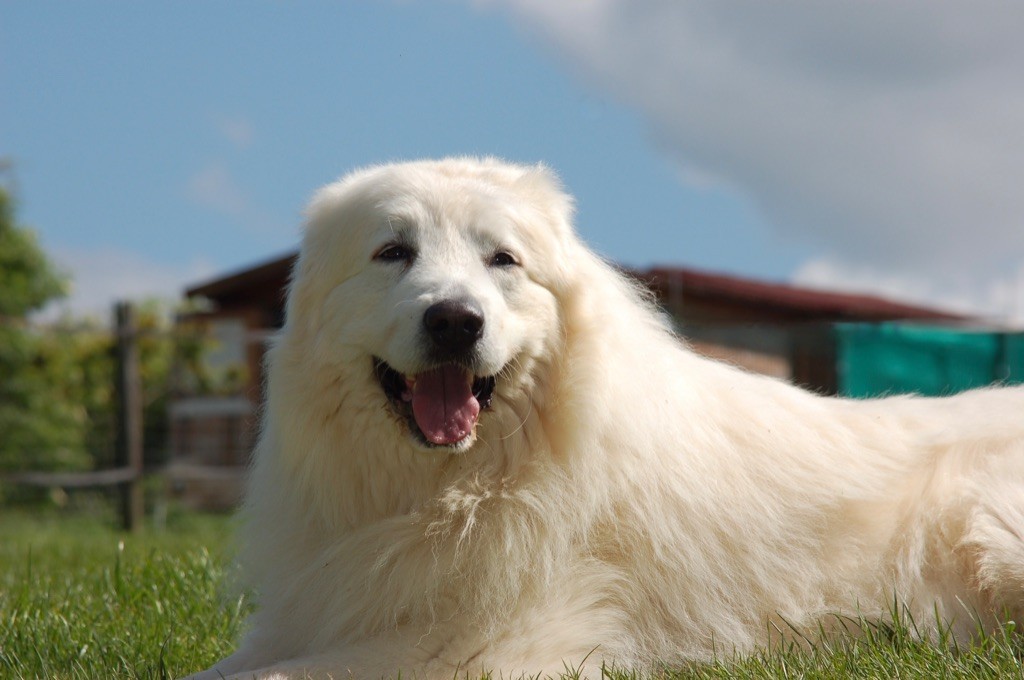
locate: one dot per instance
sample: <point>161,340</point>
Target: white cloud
<point>887,134</point>
<point>999,299</point>
<point>239,131</point>
<point>214,187</point>
<point>102,276</point>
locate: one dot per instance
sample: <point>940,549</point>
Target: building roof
<point>808,302</point>
<point>243,280</point>
<point>667,282</point>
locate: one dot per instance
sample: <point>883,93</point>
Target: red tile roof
<point>809,301</point>
<point>235,283</point>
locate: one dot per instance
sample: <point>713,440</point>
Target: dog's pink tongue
<point>444,406</point>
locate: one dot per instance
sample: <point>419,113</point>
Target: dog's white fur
<point>623,500</point>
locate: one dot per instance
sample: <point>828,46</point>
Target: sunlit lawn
<point>80,599</point>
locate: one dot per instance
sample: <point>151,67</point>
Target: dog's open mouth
<point>441,405</point>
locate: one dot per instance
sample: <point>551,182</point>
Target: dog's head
<point>435,283</point>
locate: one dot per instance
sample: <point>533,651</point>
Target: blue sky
<point>155,145</point>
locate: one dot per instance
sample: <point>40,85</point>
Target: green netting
<point>893,358</point>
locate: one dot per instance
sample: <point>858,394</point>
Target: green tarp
<point>877,359</point>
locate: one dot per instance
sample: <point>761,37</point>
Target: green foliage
<point>27,279</point>
<point>38,428</point>
<point>77,359</point>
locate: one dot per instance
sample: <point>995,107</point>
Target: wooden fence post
<point>129,415</point>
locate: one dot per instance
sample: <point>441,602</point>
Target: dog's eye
<point>394,252</point>
<point>503,259</point>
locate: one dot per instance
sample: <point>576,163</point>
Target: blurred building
<point>212,435</point>
<point>771,328</point>
<point>776,329</point>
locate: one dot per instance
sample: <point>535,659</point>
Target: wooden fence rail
<point>74,480</point>
<point>127,474</point>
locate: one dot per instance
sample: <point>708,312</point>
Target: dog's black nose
<point>454,326</point>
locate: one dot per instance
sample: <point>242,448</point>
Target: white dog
<point>484,450</point>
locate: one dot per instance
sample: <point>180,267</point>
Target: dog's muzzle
<point>442,404</point>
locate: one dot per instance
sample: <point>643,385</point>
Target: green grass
<point>884,652</point>
<point>79,599</point>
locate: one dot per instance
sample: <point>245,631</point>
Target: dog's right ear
<point>328,254</point>
<point>302,315</point>
<point>310,274</point>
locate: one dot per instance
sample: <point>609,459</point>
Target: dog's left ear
<point>548,205</point>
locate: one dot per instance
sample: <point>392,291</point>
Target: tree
<point>57,381</point>
<point>39,429</point>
